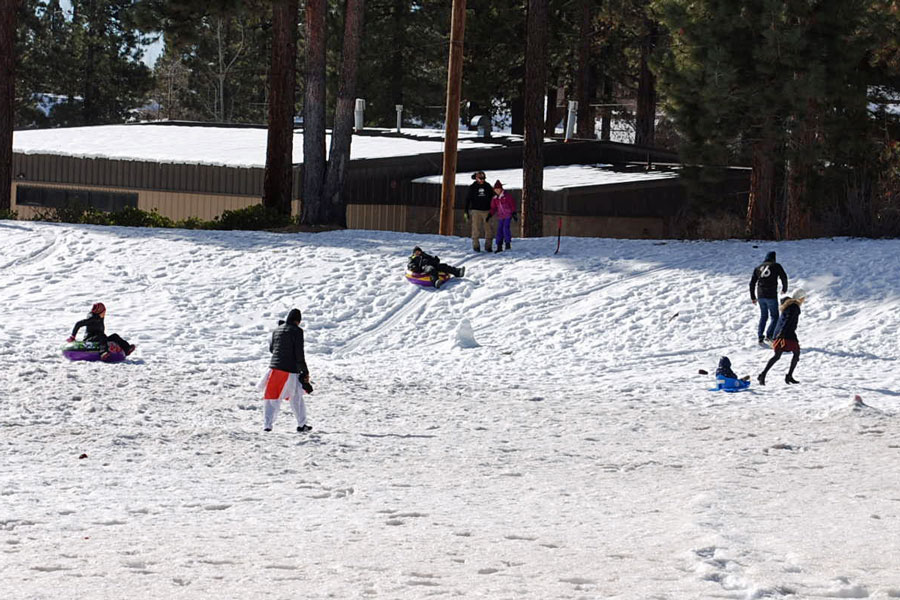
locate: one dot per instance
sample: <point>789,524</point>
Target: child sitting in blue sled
<point>727,380</point>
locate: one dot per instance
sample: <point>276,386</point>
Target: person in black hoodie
<point>764,291</point>
<point>477,211</point>
<point>95,331</point>
<point>786,336</point>
<point>420,262</point>
<point>288,375</point>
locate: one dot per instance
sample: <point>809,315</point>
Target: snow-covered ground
<point>536,430</point>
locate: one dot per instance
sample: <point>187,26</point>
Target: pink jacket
<point>503,206</point>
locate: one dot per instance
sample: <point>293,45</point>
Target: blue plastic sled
<point>728,384</point>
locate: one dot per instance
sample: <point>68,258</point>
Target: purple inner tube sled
<point>424,279</point>
<point>90,352</point>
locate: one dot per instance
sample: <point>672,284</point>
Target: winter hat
<point>799,294</point>
<point>416,249</point>
<point>294,316</point>
<point>770,257</point>
<point>497,184</point>
<point>98,308</point>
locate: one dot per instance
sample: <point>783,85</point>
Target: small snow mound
<point>465,337</point>
<point>857,405</point>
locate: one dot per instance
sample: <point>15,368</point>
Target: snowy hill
<point>562,447</point>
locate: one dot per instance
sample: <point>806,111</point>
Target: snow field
<point>563,447</point>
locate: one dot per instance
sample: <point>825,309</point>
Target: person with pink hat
<point>95,331</point>
<point>503,206</point>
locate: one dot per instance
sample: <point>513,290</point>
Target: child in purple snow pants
<point>504,233</point>
<point>503,206</point>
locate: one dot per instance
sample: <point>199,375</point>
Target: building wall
<point>176,206</point>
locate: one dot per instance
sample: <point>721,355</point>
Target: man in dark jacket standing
<point>288,376</point>
<point>764,291</point>
<point>478,206</point>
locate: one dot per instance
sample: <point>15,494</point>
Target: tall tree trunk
<point>606,111</point>
<point>89,111</point>
<point>585,83</point>
<point>553,112</point>
<point>533,153</point>
<point>314,209</point>
<point>517,116</point>
<point>8,14</point>
<point>342,134</point>
<point>280,145</point>
<point>400,10</point>
<point>645,117</point>
<point>798,220</point>
<point>761,205</point>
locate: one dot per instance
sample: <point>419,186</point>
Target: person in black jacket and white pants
<point>288,376</point>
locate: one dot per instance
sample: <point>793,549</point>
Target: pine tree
<point>8,17</point>
<point>278,180</point>
<point>533,153</point>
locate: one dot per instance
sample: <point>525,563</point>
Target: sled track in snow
<point>414,299</point>
<point>410,302</point>
<point>35,255</point>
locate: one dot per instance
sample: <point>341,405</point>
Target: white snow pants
<point>272,407</point>
<point>291,390</point>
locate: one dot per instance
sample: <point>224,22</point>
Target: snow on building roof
<point>559,178</point>
<point>220,146</point>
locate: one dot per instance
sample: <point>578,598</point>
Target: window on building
<point>44,197</point>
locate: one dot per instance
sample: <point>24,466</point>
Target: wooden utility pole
<point>451,128</point>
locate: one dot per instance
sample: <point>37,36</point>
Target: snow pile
<point>573,453</point>
<point>559,178</point>
<point>465,335</point>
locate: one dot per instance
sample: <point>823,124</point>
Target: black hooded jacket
<point>94,329</point>
<point>420,263</point>
<point>724,368</point>
<point>764,282</point>
<point>788,320</point>
<point>286,347</point>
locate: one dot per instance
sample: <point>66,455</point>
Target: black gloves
<point>515,217</point>
<point>488,218</point>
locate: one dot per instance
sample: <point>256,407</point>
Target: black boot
<point>761,378</point>
<point>790,379</point>
<point>499,248</point>
<point>507,245</point>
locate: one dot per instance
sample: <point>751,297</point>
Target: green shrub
<point>135,217</point>
<point>8,215</point>
<point>195,223</point>
<point>253,218</point>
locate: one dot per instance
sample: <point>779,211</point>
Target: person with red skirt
<point>786,336</point>
<point>288,375</point>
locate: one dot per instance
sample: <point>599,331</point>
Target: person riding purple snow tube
<point>431,266</point>
<point>95,331</point>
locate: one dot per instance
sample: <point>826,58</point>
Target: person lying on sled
<point>426,264</point>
